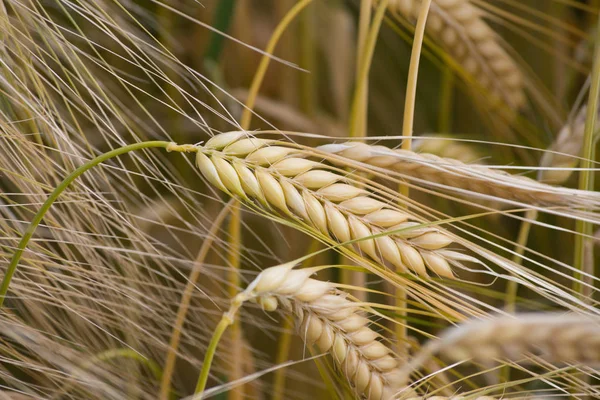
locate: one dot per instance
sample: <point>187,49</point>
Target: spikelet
<point>454,174</point>
<point>277,177</point>
<point>327,318</point>
<point>446,148</point>
<point>464,34</point>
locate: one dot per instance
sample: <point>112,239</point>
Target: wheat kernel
<point>386,218</point>
<point>317,179</point>
<point>229,176</point>
<point>438,264</point>
<point>432,241</point>
<point>293,166</point>
<point>223,140</point>
<point>412,259</point>
<point>209,171</point>
<point>362,205</point>
<point>315,211</point>
<point>340,191</point>
<point>249,182</point>
<point>245,146</point>
<point>271,189</point>
<point>293,199</point>
<point>340,349</point>
<point>269,155</point>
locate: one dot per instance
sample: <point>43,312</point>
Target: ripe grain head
<point>453,174</point>
<point>278,177</point>
<point>557,338</point>
<point>329,319</point>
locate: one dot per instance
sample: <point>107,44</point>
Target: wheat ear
<point>562,157</point>
<point>328,318</point>
<point>464,34</point>
<point>554,337</point>
<point>453,174</point>
<point>277,177</point>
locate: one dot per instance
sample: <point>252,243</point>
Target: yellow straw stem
<point>407,130</point>
<point>358,115</point>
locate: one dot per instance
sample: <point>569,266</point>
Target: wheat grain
<point>453,174</point>
<point>327,318</point>
<point>460,27</point>
<point>279,178</point>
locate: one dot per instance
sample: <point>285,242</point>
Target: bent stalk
<point>14,262</point>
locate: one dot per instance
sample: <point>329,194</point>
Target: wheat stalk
<point>453,174</point>
<point>460,27</point>
<point>276,176</point>
<point>328,318</point>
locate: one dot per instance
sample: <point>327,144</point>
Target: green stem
<point>446,100</point>
<point>221,22</point>
<point>308,61</point>
<point>586,177</point>
<point>14,262</point>
<point>227,319</point>
<point>210,353</point>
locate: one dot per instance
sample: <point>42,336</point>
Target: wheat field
<point>299,199</point>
